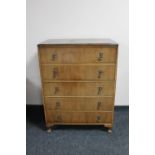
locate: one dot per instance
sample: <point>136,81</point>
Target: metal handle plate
<point>100,89</point>
<point>98,118</point>
<point>100,56</point>
<point>54,56</point>
<point>56,90</point>
<point>98,105</point>
<point>57,106</point>
<point>58,118</point>
<point>100,73</point>
<point>55,72</point>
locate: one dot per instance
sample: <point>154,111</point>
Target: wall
<point>76,19</point>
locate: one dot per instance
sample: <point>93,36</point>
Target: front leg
<point>109,127</point>
<point>49,128</point>
<point>109,130</point>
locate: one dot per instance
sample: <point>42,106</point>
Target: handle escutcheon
<point>57,105</point>
<point>98,118</point>
<point>55,73</point>
<point>98,105</point>
<point>56,90</point>
<point>100,89</point>
<point>58,119</point>
<point>100,56</point>
<point>54,56</point>
<point>100,73</point>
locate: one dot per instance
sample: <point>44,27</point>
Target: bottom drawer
<point>54,117</point>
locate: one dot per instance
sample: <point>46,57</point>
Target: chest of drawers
<point>78,81</point>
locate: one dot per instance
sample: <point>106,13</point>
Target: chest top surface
<point>106,42</point>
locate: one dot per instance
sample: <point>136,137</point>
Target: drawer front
<point>77,54</point>
<point>79,104</point>
<point>78,89</point>
<point>78,117</point>
<point>78,72</point>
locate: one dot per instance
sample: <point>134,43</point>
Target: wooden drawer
<point>78,117</point>
<point>78,89</point>
<point>78,54</point>
<point>78,72</point>
<point>79,104</point>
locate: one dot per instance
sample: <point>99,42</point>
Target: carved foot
<point>49,130</point>
<point>109,131</point>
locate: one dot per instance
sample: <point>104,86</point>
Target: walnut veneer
<point>78,81</point>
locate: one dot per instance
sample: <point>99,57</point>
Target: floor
<point>76,140</point>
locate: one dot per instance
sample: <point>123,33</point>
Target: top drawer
<point>66,55</point>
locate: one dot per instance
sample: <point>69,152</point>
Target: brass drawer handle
<point>58,118</point>
<point>57,106</point>
<point>55,72</point>
<point>100,57</point>
<point>54,56</point>
<point>98,105</point>
<point>100,73</point>
<point>56,90</point>
<point>100,89</point>
<point>98,118</point>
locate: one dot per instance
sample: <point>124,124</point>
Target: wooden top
<point>78,42</point>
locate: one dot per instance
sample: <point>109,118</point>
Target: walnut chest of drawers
<point>78,81</point>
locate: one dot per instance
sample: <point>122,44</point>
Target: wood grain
<point>79,104</point>
<point>78,72</point>
<point>78,54</point>
<point>78,81</point>
<point>78,117</point>
<point>78,89</point>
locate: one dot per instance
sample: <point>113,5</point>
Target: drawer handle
<point>54,56</point>
<point>98,118</point>
<point>55,72</point>
<point>57,106</point>
<point>100,57</point>
<point>99,90</point>
<point>58,118</point>
<point>100,72</point>
<point>98,105</point>
<point>56,90</point>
